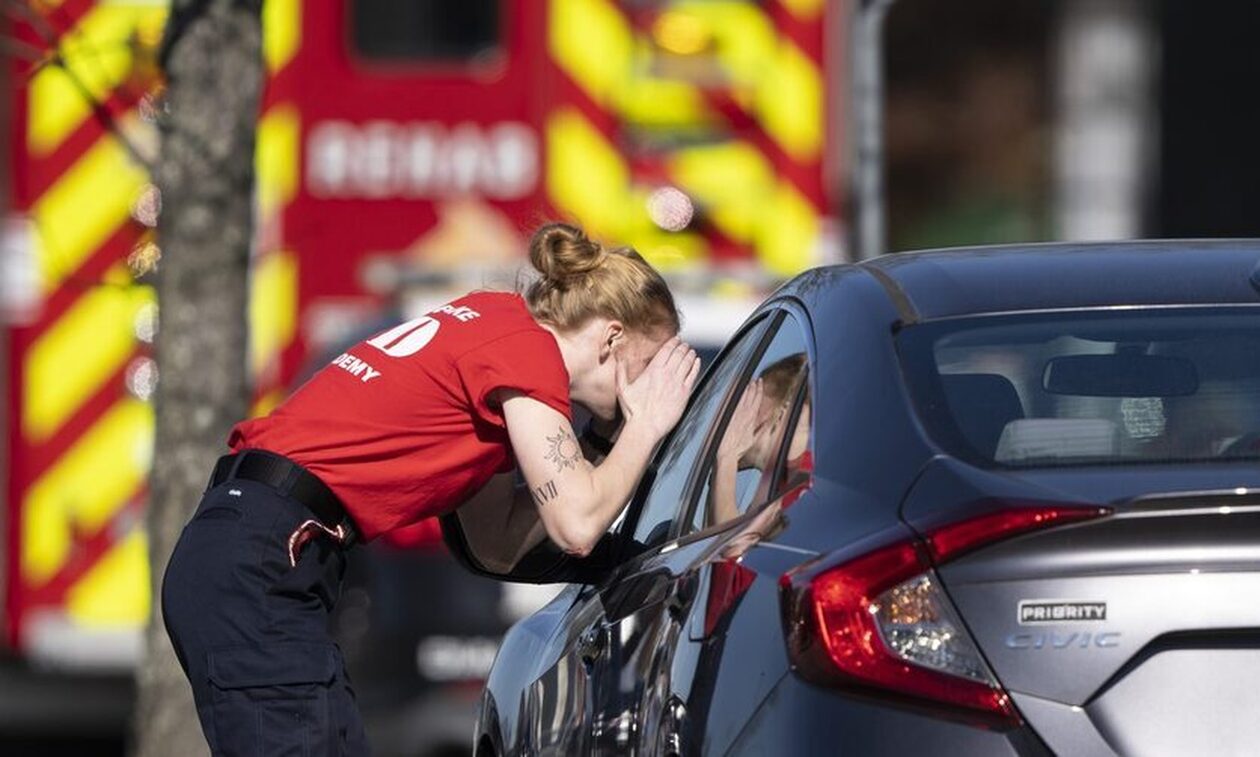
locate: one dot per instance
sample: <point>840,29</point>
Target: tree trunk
<point>213,61</point>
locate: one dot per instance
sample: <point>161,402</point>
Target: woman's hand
<point>656,399</point>
<point>742,430</point>
<point>576,501</point>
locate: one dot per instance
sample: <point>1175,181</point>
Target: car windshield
<point>1086,388</point>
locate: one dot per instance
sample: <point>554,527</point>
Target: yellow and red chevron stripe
<point>751,72</point>
<point>80,447</point>
<point>273,302</point>
<point>80,444</point>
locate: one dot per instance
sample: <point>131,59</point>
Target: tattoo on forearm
<point>564,451</point>
<point>545,493</point>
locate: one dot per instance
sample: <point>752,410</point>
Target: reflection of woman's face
<point>770,416</point>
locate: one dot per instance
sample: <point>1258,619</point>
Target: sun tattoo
<point>564,451</point>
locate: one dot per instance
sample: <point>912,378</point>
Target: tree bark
<point>214,69</point>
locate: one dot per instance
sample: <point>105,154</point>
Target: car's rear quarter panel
<point>726,677</point>
<point>798,718</point>
<point>867,446</point>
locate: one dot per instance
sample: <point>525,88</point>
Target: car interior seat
<point>981,404</point>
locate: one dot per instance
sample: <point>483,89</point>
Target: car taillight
<point>880,622</point>
<point>953,540</point>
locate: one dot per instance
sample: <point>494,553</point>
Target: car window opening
<point>676,461</point>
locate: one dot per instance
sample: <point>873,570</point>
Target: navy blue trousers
<point>251,631</point>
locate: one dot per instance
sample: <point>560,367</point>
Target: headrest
<point>981,405</point>
<point>1053,438</point>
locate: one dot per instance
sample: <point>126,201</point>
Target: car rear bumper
<point>800,718</point>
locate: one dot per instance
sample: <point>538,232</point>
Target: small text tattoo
<point>545,493</point>
<point>564,451</point>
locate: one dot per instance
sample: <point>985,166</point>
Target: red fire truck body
<point>395,139</point>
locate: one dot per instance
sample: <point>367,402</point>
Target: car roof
<point>966,281</point>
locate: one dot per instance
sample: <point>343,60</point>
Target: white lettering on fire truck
<point>387,159</point>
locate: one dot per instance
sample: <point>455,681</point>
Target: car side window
<point>766,436</point>
<point>675,461</point>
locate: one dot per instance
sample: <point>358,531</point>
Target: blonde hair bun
<point>563,253</point>
<point>581,279</point>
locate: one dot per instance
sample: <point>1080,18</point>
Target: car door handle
<point>591,644</point>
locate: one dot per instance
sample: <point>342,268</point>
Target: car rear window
<point>1121,385</point>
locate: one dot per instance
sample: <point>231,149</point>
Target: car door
<point>725,562</point>
<point>579,704</point>
<point>650,606</point>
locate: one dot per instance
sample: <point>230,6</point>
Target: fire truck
<point>404,151</point>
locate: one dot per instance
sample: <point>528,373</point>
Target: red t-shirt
<point>400,426</point>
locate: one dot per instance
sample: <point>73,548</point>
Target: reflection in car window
<point>676,460</point>
<point>749,449</point>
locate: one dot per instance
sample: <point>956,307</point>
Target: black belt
<point>287,477</point>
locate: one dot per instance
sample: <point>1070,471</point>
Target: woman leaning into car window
<point>409,424</point>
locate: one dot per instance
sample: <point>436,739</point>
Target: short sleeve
<point>525,361</point>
